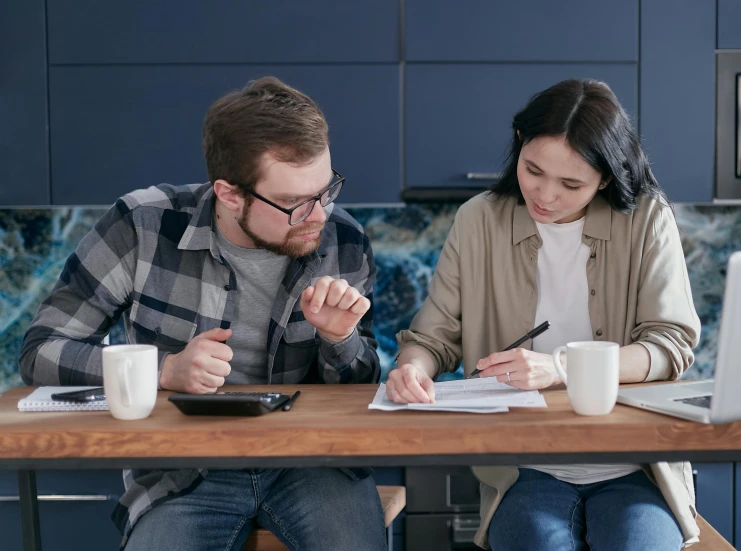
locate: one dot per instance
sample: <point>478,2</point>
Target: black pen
<point>529,335</point>
<point>289,404</point>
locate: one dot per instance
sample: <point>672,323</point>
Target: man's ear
<point>228,195</point>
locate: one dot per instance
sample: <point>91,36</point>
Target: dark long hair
<point>588,114</point>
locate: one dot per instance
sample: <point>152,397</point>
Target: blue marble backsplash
<point>34,244</point>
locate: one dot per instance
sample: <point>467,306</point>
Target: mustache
<point>309,228</point>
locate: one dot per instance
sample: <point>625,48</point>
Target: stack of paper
<point>469,396</point>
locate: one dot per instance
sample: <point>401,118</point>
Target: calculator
<point>229,403</point>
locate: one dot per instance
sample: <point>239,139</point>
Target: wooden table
<point>332,426</point>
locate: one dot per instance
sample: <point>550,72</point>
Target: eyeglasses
<point>301,212</point>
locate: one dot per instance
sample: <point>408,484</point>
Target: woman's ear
<point>603,185</point>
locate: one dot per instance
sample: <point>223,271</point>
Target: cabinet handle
<point>483,175</point>
<point>59,497</point>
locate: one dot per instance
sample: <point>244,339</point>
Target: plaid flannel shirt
<point>153,259</point>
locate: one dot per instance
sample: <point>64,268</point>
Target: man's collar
<point>598,221</point>
<point>199,234</point>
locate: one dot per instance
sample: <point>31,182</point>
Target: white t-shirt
<point>563,299</point>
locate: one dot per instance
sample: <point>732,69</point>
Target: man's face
<point>287,185</point>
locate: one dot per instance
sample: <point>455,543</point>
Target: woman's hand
<point>409,384</point>
<point>520,368</point>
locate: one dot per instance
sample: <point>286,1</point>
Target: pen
<point>529,335</point>
<point>289,404</point>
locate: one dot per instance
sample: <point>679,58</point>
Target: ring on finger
<point>508,378</point>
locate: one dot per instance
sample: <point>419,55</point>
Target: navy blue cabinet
<point>24,149</point>
<point>729,24</point>
<point>119,128</point>
<point>227,31</point>
<point>677,119</point>
<point>527,30</point>
<point>74,510</point>
<point>714,489</point>
<point>458,116</point>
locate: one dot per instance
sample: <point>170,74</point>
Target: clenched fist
<point>333,307</point>
<point>201,367</point>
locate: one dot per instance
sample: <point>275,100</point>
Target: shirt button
<point>157,331</point>
<point>227,288</point>
<point>593,255</point>
<point>593,292</point>
<point>599,332</point>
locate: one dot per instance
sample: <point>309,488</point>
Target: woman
<point>577,232</point>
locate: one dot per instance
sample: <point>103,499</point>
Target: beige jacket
<point>484,294</point>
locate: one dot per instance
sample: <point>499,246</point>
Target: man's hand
<point>333,307</point>
<point>409,384</point>
<point>520,368</point>
<point>201,367</point>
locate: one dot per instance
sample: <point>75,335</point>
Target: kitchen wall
<point>34,243</point>
<point>102,98</point>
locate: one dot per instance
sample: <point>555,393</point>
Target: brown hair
<point>266,115</point>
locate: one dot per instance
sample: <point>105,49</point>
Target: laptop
<point>714,400</point>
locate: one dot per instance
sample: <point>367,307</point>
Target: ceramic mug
<point>130,380</point>
<point>593,375</point>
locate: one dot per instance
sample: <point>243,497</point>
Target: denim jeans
<point>308,509</point>
<point>626,514</point>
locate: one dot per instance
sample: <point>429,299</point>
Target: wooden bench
<point>710,539</point>
<point>393,500</point>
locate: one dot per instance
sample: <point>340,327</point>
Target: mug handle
<point>123,382</point>
<point>557,362</point>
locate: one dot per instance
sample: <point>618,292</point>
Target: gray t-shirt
<point>259,273</point>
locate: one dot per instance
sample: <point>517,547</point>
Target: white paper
<point>469,395</point>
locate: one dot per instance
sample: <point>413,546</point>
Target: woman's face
<point>556,182</point>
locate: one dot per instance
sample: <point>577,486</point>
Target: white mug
<point>593,375</point>
<point>130,380</point>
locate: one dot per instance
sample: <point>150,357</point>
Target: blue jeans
<point>308,509</point>
<point>541,512</point>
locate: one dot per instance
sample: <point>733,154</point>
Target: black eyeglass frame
<point>339,182</point>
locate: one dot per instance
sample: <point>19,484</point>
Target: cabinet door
<point>118,128</point>
<point>459,117</point>
<point>729,29</point>
<point>24,147</point>
<point>527,30</point>
<point>227,31</point>
<point>74,509</point>
<point>714,493</point>
<point>677,120</point>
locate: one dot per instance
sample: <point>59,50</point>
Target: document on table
<point>469,396</point>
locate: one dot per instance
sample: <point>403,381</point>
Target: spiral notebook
<point>40,400</point>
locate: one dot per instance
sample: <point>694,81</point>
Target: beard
<point>291,246</point>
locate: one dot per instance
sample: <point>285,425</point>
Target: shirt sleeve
<point>355,359</point>
<point>666,321</point>
<point>63,343</point>
<point>437,326</point>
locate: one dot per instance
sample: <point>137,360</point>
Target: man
<point>250,264</point>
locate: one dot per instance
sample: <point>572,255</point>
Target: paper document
<point>469,395</point>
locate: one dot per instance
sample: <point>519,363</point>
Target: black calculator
<point>229,403</point>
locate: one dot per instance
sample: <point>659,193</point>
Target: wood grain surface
<point>334,420</point>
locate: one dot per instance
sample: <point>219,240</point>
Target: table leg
<point>29,511</point>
